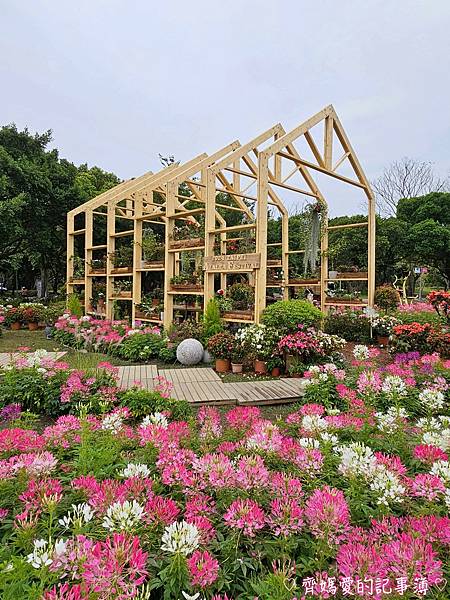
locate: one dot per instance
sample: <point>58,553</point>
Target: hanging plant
<point>316,219</point>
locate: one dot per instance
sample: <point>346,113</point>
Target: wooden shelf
<point>151,269</point>
<point>237,320</point>
<point>128,274</point>
<point>77,282</point>
<point>187,248</point>
<point>120,298</point>
<point>345,303</point>
<point>147,320</point>
<point>348,279</point>
<point>97,275</point>
<point>303,284</point>
<point>184,292</point>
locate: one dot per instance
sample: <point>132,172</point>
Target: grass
<point>10,341</point>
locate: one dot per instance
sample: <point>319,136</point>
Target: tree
<point>37,189</point>
<point>427,222</point>
<point>406,178</point>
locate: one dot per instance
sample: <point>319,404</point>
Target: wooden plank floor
<point>203,386</point>
<point>6,358</point>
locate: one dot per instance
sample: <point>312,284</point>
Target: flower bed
<point>349,492</point>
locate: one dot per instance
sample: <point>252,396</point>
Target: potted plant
<point>383,326</point>
<point>241,296</point>
<point>122,259</point>
<point>296,368</point>
<point>14,317</point>
<point>78,265</point>
<point>351,272</point>
<point>305,278</point>
<point>31,315</point>
<point>259,343</point>
<point>275,364</point>
<point>189,235</point>
<point>221,347</point>
<point>152,250</point>
<point>237,359</point>
<point>98,265</point>
<point>186,281</point>
<point>122,288</point>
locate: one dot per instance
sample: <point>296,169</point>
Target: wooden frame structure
<point>193,191</point>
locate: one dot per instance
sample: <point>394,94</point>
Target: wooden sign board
<point>232,263</point>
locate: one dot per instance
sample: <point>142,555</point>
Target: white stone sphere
<point>189,352</point>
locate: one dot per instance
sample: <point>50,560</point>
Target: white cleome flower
<point>447,498</point>
<point>135,470</point>
<point>441,468</point>
<point>441,439</point>
<point>156,418</point>
<point>391,420</point>
<point>79,515</point>
<point>393,384</point>
<point>123,516</point>
<point>431,399</point>
<point>309,443</point>
<point>314,423</point>
<point>361,352</point>
<point>112,422</point>
<point>356,459</point>
<point>387,486</point>
<point>180,537</point>
<point>41,555</point>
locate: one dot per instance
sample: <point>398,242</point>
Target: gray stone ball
<point>189,352</point>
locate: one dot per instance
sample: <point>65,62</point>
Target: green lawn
<point>11,340</point>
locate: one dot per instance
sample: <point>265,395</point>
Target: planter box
<point>304,281</point>
<point>344,301</point>
<point>122,294</point>
<point>274,262</point>
<point>244,315</point>
<point>277,282</point>
<point>186,287</point>
<point>353,275</point>
<point>122,270</point>
<point>76,280</point>
<point>186,243</point>
<point>141,315</point>
<point>98,272</point>
<point>153,264</point>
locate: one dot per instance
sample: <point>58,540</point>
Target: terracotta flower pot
<point>16,326</point>
<point>275,372</point>
<point>236,368</point>
<point>155,301</point>
<point>33,326</point>
<point>222,365</point>
<point>383,340</point>
<point>260,367</point>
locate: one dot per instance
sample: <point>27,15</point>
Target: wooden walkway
<point>7,358</point>
<point>204,386</point>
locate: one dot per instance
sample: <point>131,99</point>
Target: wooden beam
<point>234,228</point>
<point>312,144</point>
<point>306,163</point>
<point>328,143</point>
<point>341,160</point>
<point>347,226</point>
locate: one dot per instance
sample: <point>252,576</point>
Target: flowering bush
<point>440,301</point>
<point>227,507</point>
<point>257,341</point>
<point>383,324</point>
<point>13,314</point>
<point>353,325</point>
<point>221,345</point>
<point>422,338</point>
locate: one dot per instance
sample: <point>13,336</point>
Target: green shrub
<point>74,305</point>
<point>168,355</point>
<point>353,326</point>
<point>286,315</point>
<point>33,391</point>
<point>186,330</point>
<point>145,402</point>
<point>421,317</point>
<point>52,312</point>
<point>140,347</point>
<point>386,297</point>
<point>212,323</point>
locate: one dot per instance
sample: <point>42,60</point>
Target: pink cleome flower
<point>328,515</point>
<point>245,515</point>
<point>203,568</point>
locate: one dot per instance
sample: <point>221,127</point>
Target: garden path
<point>204,386</point>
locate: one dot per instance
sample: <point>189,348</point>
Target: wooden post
<point>70,250</point>
<point>261,235</point>
<point>210,225</point>
<point>110,247</point>
<point>171,191</point>
<point>285,251</point>
<point>371,263</point>
<point>137,257</point>
<point>89,224</point>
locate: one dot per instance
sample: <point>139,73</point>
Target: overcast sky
<point>120,81</point>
